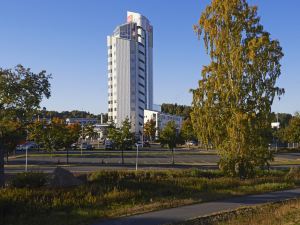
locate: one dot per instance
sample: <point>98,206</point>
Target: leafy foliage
<point>21,92</point>
<point>291,133</point>
<point>175,109</point>
<point>232,104</point>
<point>187,130</point>
<point>169,135</point>
<point>54,135</point>
<point>150,130</point>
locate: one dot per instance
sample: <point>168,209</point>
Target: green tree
<point>21,92</point>
<point>169,136</point>
<point>292,132</point>
<point>187,130</point>
<point>122,137</point>
<point>150,130</point>
<point>89,132</point>
<point>232,104</point>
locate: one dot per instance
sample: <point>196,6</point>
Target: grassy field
<point>286,213</point>
<point>108,194</point>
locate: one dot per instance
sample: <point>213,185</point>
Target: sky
<point>67,38</point>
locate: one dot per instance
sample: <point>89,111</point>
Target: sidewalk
<point>184,213</point>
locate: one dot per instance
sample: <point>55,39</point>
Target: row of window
<point>141,100</point>
<point>111,101</point>
<point>111,109</point>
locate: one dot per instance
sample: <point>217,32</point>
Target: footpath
<point>184,213</point>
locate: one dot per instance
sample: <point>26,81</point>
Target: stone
<point>64,178</point>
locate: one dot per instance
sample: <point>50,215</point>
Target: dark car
<point>86,146</point>
<point>108,144</point>
<point>146,144</point>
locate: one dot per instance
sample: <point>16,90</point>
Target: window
<point>142,61</point>
<point>141,44</point>
<point>141,100</point>
<point>141,93</point>
<point>141,108</point>
<point>140,76</point>
<point>141,69</point>
<point>115,109</point>
<point>141,116</point>
<point>141,85</point>
<point>142,53</point>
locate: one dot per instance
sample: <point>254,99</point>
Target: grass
<point>284,213</point>
<point>108,194</point>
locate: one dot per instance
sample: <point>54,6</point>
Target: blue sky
<point>68,39</point>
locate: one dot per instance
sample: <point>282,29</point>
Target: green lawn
<point>109,194</point>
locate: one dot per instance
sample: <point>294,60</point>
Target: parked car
<point>191,143</point>
<point>86,146</point>
<point>74,146</point>
<point>147,144</point>
<point>27,146</point>
<point>108,144</point>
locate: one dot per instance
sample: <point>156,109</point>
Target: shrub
<point>293,175</point>
<point>29,180</point>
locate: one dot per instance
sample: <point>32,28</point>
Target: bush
<point>29,180</point>
<point>293,175</point>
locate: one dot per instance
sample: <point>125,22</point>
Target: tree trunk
<point>2,178</point>
<point>122,156</point>
<point>173,161</point>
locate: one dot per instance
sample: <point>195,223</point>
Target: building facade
<point>130,71</point>
<point>161,119</point>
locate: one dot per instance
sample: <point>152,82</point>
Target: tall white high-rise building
<point>130,71</point>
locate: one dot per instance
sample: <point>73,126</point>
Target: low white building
<point>81,121</point>
<point>162,119</point>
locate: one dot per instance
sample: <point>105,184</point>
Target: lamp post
<point>137,156</point>
<point>81,137</point>
<point>26,151</point>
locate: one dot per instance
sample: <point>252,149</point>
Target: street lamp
<point>137,150</point>
<point>137,156</point>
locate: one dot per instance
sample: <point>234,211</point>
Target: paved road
<point>148,159</point>
<point>184,213</point>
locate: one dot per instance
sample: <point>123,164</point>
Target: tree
<point>21,92</point>
<point>292,132</point>
<point>232,104</point>
<point>175,109</point>
<point>150,129</point>
<point>170,137</point>
<point>187,130</point>
<point>89,132</point>
<point>122,137</point>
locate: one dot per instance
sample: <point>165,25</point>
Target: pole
<point>142,136</point>
<point>81,137</point>
<point>67,155</point>
<point>137,157</point>
<point>173,156</point>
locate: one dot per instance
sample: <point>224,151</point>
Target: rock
<point>64,178</point>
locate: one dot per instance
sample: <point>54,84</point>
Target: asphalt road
<point>148,159</point>
<point>184,213</point>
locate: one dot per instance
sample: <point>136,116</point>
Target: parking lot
<point>148,158</point>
